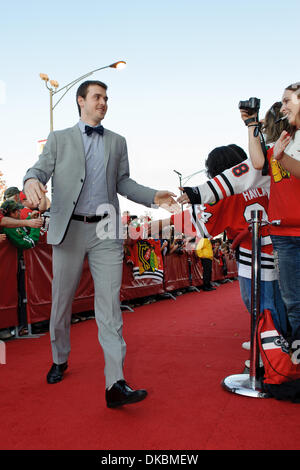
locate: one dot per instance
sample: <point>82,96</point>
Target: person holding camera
<point>284,170</point>
<point>254,188</point>
<point>284,155</point>
<point>177,246</point>
<point>283,184</point>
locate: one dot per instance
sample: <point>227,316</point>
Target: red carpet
<point>180,351</point>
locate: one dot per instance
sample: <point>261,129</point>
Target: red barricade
<point>38,263</point>
<point>176,271</point>
<point>232,270</point>
<point>39,277</point>
<point>196,269</point>
<point>217,269</point>
<point>8,285</point>
<point>217,272</point>
<point>179,271</point>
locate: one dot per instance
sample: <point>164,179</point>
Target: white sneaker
<point>246,345</point>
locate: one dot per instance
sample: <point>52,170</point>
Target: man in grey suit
<point>89,166</point>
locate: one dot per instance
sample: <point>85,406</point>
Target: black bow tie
<point>89,130</point>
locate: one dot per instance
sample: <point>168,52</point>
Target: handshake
<point>165,199</point>
<point>35,191</point>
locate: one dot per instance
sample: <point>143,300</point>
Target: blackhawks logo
<point>147,257</point>
<point>278,171</point>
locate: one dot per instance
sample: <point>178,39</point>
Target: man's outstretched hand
<point>165,199</point>
<point>35,191</point>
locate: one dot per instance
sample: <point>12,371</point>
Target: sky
<point>188,66</point>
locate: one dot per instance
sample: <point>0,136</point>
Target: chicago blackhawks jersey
<point>235,180</point>
<point>284,199</point>
<point>146,259</point>
<point>233,214</point>
<point>283,188</point>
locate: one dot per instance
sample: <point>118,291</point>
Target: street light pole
<point>53,89</point>
<point>194,174</point>
<point>180,183</point>
<point>180,177</point>
<point>186,178</point>
<point>51,109</point>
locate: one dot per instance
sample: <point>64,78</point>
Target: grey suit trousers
<point>105,259</point>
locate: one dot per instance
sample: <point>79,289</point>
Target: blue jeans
<point>287,260</point>
<point>270,298</point>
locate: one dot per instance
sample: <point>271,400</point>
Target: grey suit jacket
<point>63,159</point>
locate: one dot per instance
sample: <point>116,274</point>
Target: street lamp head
<point>118,65</point>
<point>44,77</point>
<point>53,89</point>
<point>54,83</point>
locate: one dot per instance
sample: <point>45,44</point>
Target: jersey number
<point>240,169</point>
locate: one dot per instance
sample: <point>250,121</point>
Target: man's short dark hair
<point>83,90</point>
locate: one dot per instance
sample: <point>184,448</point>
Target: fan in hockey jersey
<point>21,238</point>
<point>284,205</point>
<point>283,210</point>
<point>232,215</point>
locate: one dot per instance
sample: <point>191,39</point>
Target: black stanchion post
<point>256,218</point>
<point>191,287</point>
<point>249,384</point>
<point>22,301</point>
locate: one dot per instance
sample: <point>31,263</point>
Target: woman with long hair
<point>284,170</point>
<point>282,185</point>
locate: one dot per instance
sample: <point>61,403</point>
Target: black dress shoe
<point>121,394</point>
<point>56,373</point>
<point>208,289</point>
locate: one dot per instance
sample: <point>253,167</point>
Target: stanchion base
<point>126,307</point>
<point>30,336</point>
<point>242,385</point>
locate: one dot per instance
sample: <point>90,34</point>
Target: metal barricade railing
<point>249,384</point>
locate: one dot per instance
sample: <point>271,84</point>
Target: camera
<point>179,249</point>
<point>251,106</point>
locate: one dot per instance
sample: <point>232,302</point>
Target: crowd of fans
<point>277,156</point>
<point>16,209</point>
<point>173,242</point>
<point>21,225</point>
